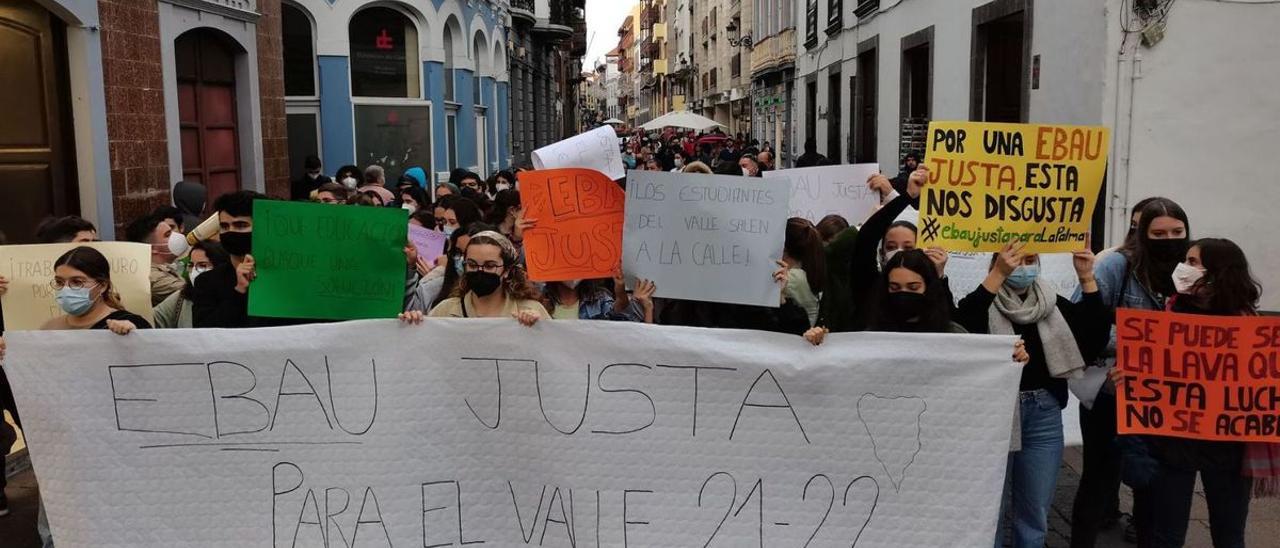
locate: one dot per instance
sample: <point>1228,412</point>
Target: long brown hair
<point>803,243</point>
<point>1151,273</point>
<point>94,265</point>
<point>516,283</point>
<point>1227,286</point>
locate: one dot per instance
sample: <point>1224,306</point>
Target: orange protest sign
<point>579,217</point>
<point>1199,377</point>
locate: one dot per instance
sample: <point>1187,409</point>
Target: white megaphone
<point>180,244</point>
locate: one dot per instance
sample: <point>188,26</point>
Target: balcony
<point>523,11</point>
<point>559,24</point>
<point>579,37</point>
<point>866,7</point>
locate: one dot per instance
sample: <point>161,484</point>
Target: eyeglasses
<point>490,267</point>
<point>73,283</point>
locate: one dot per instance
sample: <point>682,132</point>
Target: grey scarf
<point>1039,307</point>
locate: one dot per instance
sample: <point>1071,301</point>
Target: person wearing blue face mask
<point>86,296</point>
<point>1060,337</point>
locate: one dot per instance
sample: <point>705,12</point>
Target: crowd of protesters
<point>838,275</point>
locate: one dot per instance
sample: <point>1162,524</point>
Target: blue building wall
<point>337,126</point>
<point>336,108</point>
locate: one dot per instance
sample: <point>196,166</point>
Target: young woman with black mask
<point>1138,276</point>
<point>1213,280</point>
<point>494,285</point>
<point>908,298</point>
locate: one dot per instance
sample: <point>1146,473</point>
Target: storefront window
<point>384,55</point>
<point>395,137</point>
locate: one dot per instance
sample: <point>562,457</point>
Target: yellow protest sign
<point>992,184</point>
<point>30,302</point>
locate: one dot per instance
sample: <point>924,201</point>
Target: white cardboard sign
<point>466,431</point>
<point>841,190</point>
<point>709,238</point>
<point>596,149</point>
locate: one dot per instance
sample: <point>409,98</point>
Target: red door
<point>206,68</point>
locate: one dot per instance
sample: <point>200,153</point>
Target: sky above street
<point>603,19</point>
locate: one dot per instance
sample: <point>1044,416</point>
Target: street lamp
<point>732,30</point>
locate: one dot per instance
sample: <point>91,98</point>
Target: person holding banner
<point>1214,280</point>
<point>1139,276</point>
<point>82,278</point>
<point>1061,337</point>
<point>803,252</point>
<point>493,285</point>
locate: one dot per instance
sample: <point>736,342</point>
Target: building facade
<point>122,99</point>
<point>548,41</point>
<point>871,74</point>
<point>773,57</point>
<point>723,60</point>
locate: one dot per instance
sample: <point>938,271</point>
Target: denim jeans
<point>1032,473</point>
<point>1167,507</point>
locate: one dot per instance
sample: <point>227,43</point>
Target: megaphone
<point>180,244</point>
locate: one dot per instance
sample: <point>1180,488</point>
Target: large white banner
<point>826,190</point>
<point>713,238</point>
<point>458,432</point>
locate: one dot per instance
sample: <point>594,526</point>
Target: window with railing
<point>835,16</point>
<point>713,78</point>
<point>866,7</point>
<point>735,65</point>
<point>811,25</point>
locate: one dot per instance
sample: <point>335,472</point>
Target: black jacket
<point>216,303</point>
<point>300,189</point>
<point>1088,319</point>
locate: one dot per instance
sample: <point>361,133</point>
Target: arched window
<point>384,54</point>
<point>448,62</point>
<point>480,57</point>
<point>299,52</point>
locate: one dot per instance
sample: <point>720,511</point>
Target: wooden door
<point>37,175</point>
<point>206,68</point>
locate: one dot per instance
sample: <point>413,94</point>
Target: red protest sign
<point>1199,377</point>
<point>579,217</point>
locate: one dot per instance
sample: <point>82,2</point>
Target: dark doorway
<point>833,117</point>
<point>811,113</point>
<point>916,82</point>
<point>1002,76</point>
<point>206,67</point>
<point>866,104</point>
<point>37,175</point>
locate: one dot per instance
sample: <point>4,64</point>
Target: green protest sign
<point>327,262</point>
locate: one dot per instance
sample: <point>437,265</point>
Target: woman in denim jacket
<point>1138,276</point>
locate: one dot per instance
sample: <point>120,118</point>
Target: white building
<point>1191,101</point>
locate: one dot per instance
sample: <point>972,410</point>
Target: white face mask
<point>178,245</point>
<point>350,183</point>
<point>409,207</point>
<point>502,186</point>
<point>889,255</point>
<point>1185,277</point>
<point>572,284</point>
<point>196,272</point>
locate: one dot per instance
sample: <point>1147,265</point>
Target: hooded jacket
<point>418,175</point>
<point>190,199</point>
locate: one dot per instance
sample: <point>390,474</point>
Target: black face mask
<point>237,243</point>
<point>483,283</point>
<point>904,305</point>
<point>1168,251</point>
